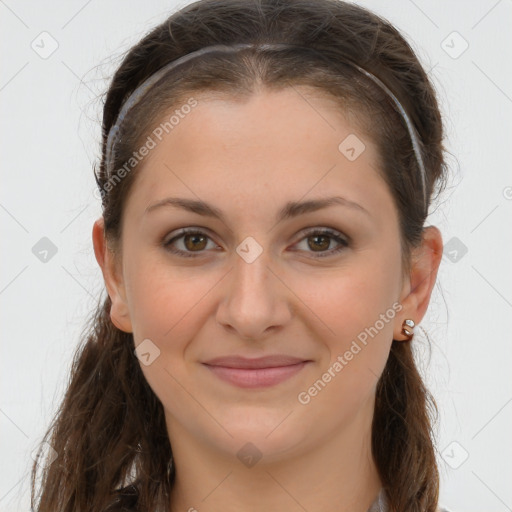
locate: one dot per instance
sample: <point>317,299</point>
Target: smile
<point>256,377</point>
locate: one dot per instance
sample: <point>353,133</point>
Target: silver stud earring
<point>408,327</point>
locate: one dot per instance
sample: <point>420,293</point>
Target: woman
<point>266,173</point>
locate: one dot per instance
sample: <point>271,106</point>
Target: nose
<point>255,300</point>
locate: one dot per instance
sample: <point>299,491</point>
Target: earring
<point>408,327</point>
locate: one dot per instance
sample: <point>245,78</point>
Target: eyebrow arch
<point>291,209</point>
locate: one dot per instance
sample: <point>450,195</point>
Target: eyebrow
<point>290,210</point>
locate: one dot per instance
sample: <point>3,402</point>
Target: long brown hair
<point>109,432</point>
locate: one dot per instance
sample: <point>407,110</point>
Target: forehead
<point>287,141</point>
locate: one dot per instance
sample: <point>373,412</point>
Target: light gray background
<point>50,135</point>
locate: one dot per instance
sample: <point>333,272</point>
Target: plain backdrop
<point>57,59</point>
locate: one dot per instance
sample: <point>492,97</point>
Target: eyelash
<point>322,232</point>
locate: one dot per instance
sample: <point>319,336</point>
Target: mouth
<point>256,373</point>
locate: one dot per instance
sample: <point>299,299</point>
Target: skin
<point>248,159</point>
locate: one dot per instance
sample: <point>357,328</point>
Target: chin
<point>268,443</point>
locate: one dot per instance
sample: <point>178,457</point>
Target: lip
<point>255,373</point>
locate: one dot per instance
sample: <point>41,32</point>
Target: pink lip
<point>255,373</point>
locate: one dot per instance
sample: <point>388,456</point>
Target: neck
<point>338,475</point>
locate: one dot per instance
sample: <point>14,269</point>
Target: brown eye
<point>319,242</point>
<point>192,241</point>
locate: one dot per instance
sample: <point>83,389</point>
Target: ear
<point>119,312</point>
<point>417,288</point>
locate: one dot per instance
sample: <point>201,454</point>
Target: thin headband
<point>141,90</point>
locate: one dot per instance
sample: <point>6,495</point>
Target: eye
<point>320,239</point>
<point>195,241</point>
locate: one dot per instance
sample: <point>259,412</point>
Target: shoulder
<point>442,509</point>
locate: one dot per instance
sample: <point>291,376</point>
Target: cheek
<point>355,355</point>
<point>162,302</point>
<point>351,298</point>
<point>354,313</point>
<point>169,311</point>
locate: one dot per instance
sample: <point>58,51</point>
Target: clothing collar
<point>381,503</point>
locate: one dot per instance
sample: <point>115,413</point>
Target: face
<point>318,283</point>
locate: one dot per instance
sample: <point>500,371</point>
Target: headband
<point>142,89</point>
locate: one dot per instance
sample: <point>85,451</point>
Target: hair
<point>109,431</point>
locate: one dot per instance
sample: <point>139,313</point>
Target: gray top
<point>381,504</point>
